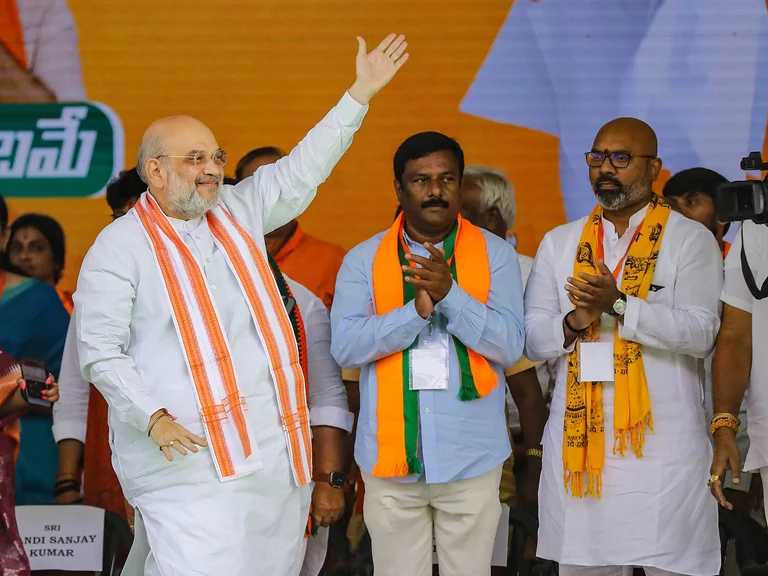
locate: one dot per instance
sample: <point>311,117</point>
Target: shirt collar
<point>634,221</point>
<point>412,243</point>
<point>186,225</point>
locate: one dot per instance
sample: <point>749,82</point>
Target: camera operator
<point>741,363</point>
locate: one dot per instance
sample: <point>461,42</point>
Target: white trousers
<point>314,550</point>
<point>400,518</point>
<point>246,527</point>
<point>571,570</point>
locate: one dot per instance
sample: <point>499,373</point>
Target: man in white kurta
<point>327,398</point>
<point>198,518</point>
<point>655,511</point>
<point>741,363</point>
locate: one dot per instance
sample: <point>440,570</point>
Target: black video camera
<point>744,199</point>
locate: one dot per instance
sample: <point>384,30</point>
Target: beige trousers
<point>570,570</point>
<point>400,518</point>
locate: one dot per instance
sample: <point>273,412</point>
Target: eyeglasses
<point>199,157</point>
<point>617,159</point>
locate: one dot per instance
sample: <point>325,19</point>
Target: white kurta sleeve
<point>70,413</point>
<point>544,335</point>
<point>277,193</point>
<point>327,395</point>
<point>735,290</point>
<point>106,290</point>
<point>690,324</point>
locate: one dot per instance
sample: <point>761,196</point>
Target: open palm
<point>376,68</point>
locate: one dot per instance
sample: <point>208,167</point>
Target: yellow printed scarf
<point>397,409</point>
<point>583,437</point>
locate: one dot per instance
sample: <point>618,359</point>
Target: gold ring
<point>712,479</point>
<point>163,446</point>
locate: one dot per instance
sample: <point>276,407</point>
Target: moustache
<point>209,180</point>
<point>434,202</point>
<point>609,180</point>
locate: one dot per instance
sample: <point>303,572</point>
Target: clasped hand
<point>433,279</point>
<point>593,293</point>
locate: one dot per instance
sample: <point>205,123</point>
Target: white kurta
<point>736,294</point>
<point>327,395</point>
<point>128,347</point>
<point>655,511</point>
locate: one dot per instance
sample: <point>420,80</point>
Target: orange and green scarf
<point>398,406</point>
<point>583,437</point>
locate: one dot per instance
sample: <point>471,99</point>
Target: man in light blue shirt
<point>439,325</point>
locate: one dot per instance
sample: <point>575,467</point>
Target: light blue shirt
<point>457,440</point>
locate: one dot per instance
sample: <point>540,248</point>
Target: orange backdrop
<point>262,73</point>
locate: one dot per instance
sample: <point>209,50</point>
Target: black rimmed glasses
<point>617,159</point>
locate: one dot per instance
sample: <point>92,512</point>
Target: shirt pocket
<point>661,289</point>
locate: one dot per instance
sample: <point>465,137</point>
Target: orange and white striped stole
<point>205,345</point>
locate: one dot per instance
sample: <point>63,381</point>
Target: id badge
<point>596,362</point>
<point>429,365</point>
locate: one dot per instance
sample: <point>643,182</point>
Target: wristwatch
<point>335,479</point>
<point>619,307</point>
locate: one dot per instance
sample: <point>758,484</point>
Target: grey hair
<point>496,190</point>
<point>151,147</point>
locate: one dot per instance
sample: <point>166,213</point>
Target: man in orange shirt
<point>304,258</point>
<point>692,193</point>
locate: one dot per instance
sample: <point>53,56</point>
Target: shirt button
<point>207,260</point>
<point>425,342</point>
<point>213,287</point>
<point>426,410</point>
<point>197,237</point>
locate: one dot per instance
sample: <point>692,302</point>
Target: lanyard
<point>601,250</point>
<point>2,281</point>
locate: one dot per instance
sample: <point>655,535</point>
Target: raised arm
<point>277,193</point>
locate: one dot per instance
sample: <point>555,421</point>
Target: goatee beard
<point>185,200</point>
<point>623,196</point>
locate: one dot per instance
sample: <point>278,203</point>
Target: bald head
<point>623,164</point>
<point>631,130</point>
<point>176,160</point>
<point>169,133</point>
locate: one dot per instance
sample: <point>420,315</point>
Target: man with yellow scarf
<point>432,311</point>
<point>626,300</point>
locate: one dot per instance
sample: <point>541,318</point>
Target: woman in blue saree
<point>33,324</point>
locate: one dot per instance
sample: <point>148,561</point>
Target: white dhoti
<point>252,526</point>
